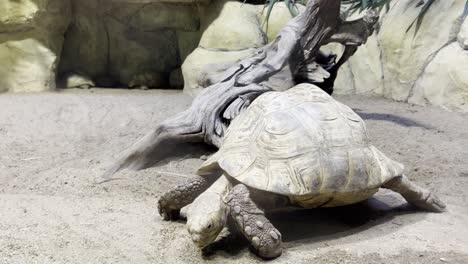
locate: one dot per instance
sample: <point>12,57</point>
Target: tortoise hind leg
<point>173,200</point>
<point>251,221</point>
<point>415,194</point>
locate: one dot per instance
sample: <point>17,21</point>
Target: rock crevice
<point>408,60</point>
<point>110,43</point>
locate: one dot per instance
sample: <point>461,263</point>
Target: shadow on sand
<point>309,226</point>
<point>399,120</point>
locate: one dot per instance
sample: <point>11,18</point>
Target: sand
<point>54,146</point>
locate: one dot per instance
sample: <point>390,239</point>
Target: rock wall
<point>95,42</point>
<point>31,38</point>
<point>424,67</point>
<point>152,43</point>
<point>126,43</point>
<point>231,31</point>
<point>279,16</point>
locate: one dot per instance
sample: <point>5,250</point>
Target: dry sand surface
<point>54,146</point>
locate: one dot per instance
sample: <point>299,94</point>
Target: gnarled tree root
<point>297,46</point>
<point>205,121</point>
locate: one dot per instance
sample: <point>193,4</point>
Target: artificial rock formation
<point>143,43</point>
<point>201,61</point>
<point>463,35</point>
<point>230,31</point>
<point>109,43</point>
<point>444,81</point>
<point>131,43</point>
<point>31,39</point>
<point>230,25</point>
<point>398,64</point>
<point>280,15</point>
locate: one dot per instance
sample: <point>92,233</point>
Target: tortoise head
<point>206,217</point>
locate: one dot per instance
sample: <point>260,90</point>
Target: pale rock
<point>78,81</point>
<point>445,80</point>
<point>27,66</point>
<point>344,82</point>
<point>17,15</point>
<point>367,68</point>
<point>31,42</point>
<point>463,35</point>
<point>405,53</point>
<point>401,65</point>
<point>279,16</point>
<point>231,31</point>
<point>201,57</point>
<point>231,25</point>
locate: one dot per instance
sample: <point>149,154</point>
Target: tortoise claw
<point>167,213</point>
<point>433,204</point>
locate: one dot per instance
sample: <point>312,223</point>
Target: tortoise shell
<point>302,142</point>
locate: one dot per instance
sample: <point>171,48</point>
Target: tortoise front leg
<point>172,201</point>
<point>415,194</point>
<point>265,238</point>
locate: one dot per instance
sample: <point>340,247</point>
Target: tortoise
<point>297,148</point>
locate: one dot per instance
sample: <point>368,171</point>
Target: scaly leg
<point>265,238</point>
<point>172,201</point>
<point>415,194</point>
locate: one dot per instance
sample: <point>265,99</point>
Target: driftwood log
<point>295,53</point>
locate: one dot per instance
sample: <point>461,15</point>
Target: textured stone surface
<point>112,42</point>
<point>362,74</point>
<point>159,15</point>
<point>125,40</point>
<point>117,42</point>
<point>31,39</point>
<point>200,58</point>
<point>187,42</point>
<point>176,79</point>
<point>404,55</point>
<point>18,15</point>
<point>280,15</point>
<point>230,32</point>
<point>463,35</point>
<point>78,81</point>
<point>86,39</point>
<point>136,52</point>
<point>445,80</point>
<point>407,66</point>
<point>27,65</point>
<point>149,80</point>
<point>231,25</point>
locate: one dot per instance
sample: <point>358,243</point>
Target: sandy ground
<point>54,146</point>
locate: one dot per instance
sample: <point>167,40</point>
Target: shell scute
<point>304,144</point>
<point>236,163</point>
<point>280,146</point>
<point>307,168</point>
<point>280,123</point>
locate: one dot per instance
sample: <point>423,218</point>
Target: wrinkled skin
<point>206,217</point>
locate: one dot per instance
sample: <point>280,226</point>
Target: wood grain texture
<point>296,46</point>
